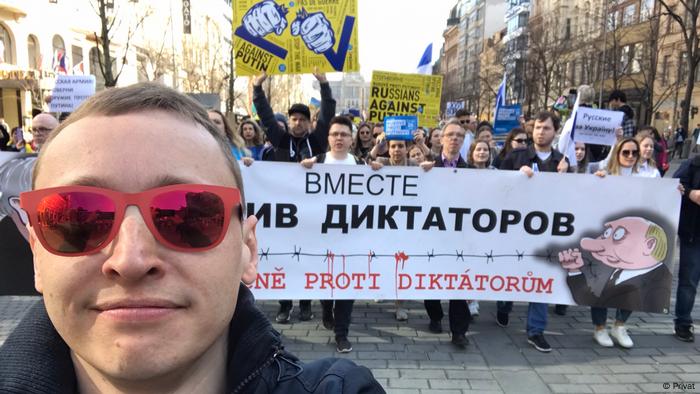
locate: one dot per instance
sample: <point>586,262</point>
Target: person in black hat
<point>294,144</point>
<point>297,142</point>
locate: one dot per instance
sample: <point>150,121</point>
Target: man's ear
<point>249,251</point>
<point>32,245</point>
<point>649,245</point>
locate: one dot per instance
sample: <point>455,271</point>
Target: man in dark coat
<point>132,306</point>
<point>626,269</point>
<point>294,144</point>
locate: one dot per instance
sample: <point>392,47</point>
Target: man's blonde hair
<point>145,97</point>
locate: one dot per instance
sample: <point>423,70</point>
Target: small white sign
<point>596,126</point>
<point>70,91</point>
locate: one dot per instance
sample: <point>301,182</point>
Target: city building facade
<point>41,39</point>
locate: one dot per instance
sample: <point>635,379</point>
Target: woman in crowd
<point>238,148</point>
<point>254,138</point>
<point>647,164</point>
<point>398,156</point>
<point>583,164</point>
<point>515,139</point>
<point>479,155</point>
<point>417,154</point>
<point>434,142</point>
<point>623,161</point>
<point>660,148</point>
<point>364,141</point>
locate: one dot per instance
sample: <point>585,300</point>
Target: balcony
<point>522,7</point>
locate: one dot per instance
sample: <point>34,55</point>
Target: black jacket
<point>689,223</point>
<point>528,157</point>
<point>35,359</point>
<point>648,292</point>
<point>281,139</point>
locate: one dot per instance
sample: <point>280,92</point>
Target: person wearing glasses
<point>515,139</point>
<point>451,140</point>
<point>295,144</point>
<point>144,277</point>
<point>337,313</point>
<point>364,141</point>
<point>624,160</point>
<point>42,125</point>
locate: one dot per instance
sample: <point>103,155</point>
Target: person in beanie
<point>298,142</point>
<point>294,144</point>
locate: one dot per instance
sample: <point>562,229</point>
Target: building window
<point>59,55</point>
<point>637,57</point>
<point>33,52</point>
<point>664,70</point>
<point>625,59</point>
<point>646,10</point>
<point>630,15</point>
<point>78,66</point>
<point>5,45</point>
<point>683,68</point>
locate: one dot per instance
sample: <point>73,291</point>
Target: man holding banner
<point>538,157</point>
<point>295,145</point>
<point>451,138</point>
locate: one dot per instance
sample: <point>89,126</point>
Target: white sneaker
<point>473,308</point>
<point>619,334</point>
<point>601,336</point>
<point>401,314</point>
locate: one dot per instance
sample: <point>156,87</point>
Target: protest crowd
<point>128,215</point>
<point>539,144</point>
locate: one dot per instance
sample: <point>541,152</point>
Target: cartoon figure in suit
<point>626,268</point>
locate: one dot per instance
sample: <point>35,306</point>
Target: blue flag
<point>425,60</point>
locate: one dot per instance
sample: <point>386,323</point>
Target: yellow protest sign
<point>295,37</point>
<point>393,94</point>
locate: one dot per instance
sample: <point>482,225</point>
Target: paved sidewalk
<point>406,358</point>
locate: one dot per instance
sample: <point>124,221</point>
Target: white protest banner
<point>70,91</point>
<point>596,126</point>
<point>347,232</point>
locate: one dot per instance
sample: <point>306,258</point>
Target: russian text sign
<point>295,37</point>
<point>393,94</point>
<point>70,91</point>
<point>347,232</point>
<point>596,126</point>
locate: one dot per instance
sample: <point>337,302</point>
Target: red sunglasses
<point>81,220</point>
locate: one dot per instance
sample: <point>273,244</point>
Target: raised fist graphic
<point>315,30</point>
<point>264,18</point>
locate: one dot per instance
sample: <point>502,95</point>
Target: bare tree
<point>103,41</point>
<point>644,66</point>
<point>548,53</point>
<point>684,13</point>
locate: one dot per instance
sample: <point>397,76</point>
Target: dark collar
<point>35,359</point>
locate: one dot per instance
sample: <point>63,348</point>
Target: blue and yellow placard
<point>295,37</point>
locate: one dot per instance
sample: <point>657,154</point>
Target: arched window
<point>59,55</point>
<point>5,45</point>
<point>33,52</point>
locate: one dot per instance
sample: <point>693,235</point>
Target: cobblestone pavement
<point>406,358</point>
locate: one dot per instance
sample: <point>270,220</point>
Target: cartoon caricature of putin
<point>626,269</point>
